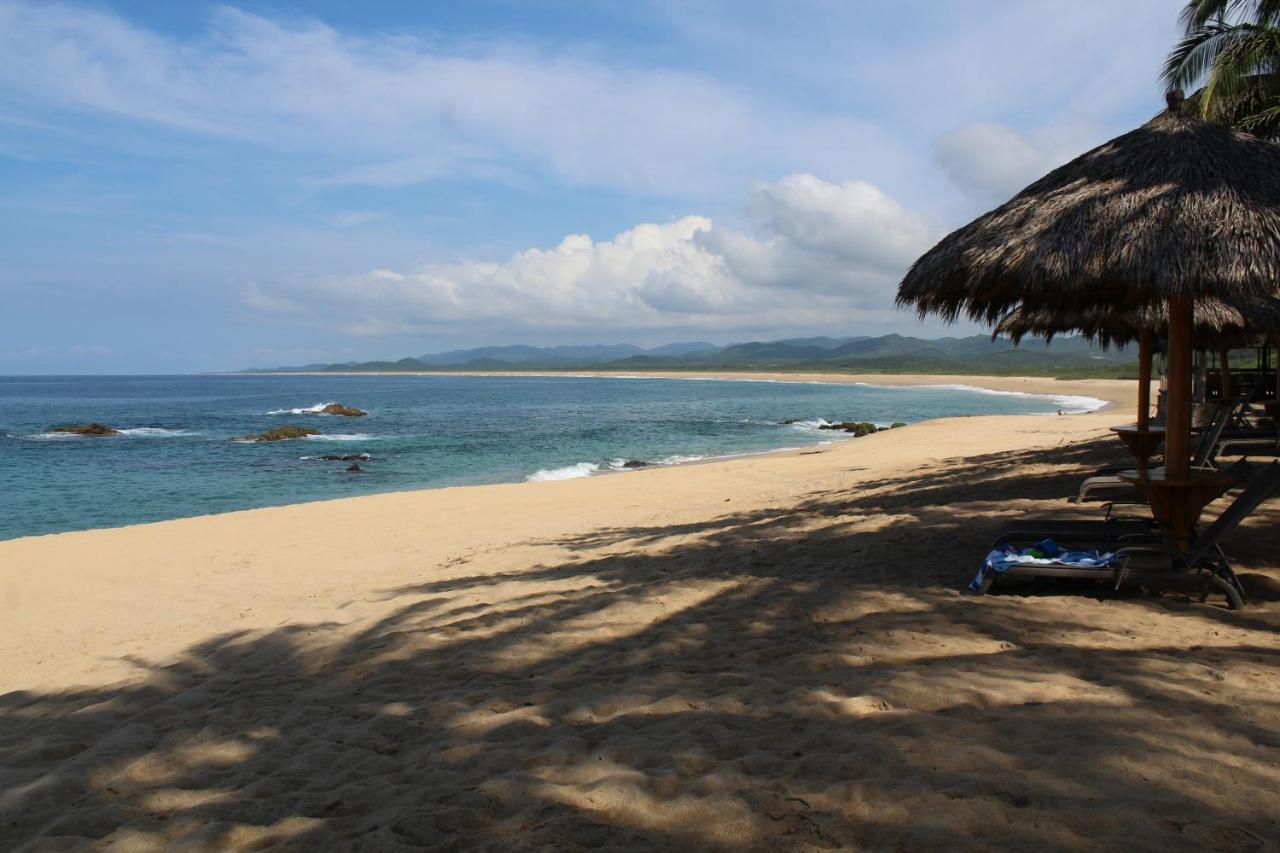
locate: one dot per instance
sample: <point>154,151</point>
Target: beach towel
<point>1044,553</point>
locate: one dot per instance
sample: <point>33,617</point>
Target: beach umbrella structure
<point>1171,214</point>
<point>1216,324</point>
<point>1273,408</point>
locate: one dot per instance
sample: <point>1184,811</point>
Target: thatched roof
<point>1217,324</point>
<point>1178,207</point>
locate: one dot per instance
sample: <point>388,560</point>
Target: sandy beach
<point>766,653</point>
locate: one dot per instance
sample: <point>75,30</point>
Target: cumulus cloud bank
<point>820,253</point>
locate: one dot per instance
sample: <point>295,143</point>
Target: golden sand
<point>765,653</point>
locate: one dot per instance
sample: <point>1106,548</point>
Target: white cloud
<point>395,110</point>
<point>853,221</point>
<point>824,253</point>
<point>992,162</point>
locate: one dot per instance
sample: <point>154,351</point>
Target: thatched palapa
<point>1169,215</point>
<point>1176,208</point>
<point>1217,324</point>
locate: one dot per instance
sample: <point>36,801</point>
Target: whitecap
<point>811,424</point>
<point>52,436</point>
<point>680,459</point>
<point>568,472</point>
<point>341,436</point>
<point>360,457</point>
<point>155,432</point>
<point>318,408</point>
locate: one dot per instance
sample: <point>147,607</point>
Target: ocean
<point>175,456</point>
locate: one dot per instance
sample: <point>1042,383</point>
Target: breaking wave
<point>568,472</point>
<point>317,409</point>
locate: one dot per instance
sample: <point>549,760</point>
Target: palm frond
<point>1264,123</point>
<point>1198,13</point>
<point>1250,52</point>
<point>1251,109</point>
<point>1192,58</point>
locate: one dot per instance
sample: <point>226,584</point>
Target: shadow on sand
<point>804,677</point>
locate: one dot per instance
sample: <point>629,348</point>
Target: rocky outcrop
<point>346,457</point>
<point>857,429</point>
<point>355,469</point>
<point>635,463</point>
<point>345,411</point>
<point>283,433</point>
<point>94,428</point>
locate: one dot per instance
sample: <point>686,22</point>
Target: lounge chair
<point>1206,453</point>
<point>1259,444</point>
<point>1238,471</point>
<point>1153,565</point>
<point>1108,531</point>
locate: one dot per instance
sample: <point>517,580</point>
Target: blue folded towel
<point>1045,553</point>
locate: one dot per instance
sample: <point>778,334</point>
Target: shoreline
<point>1119,392</point>
<point>1111,393</point>
<point>306,525</point>
<point>80,566</point>
<point>698,656</point>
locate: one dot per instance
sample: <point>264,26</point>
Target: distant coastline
<point>1115,393</point>
<point>975,355</point>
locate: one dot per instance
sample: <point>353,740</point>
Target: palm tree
<point>1230,50</point>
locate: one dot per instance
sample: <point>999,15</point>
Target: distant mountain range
<point>976,354</point>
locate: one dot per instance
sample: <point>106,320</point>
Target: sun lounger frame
<point>1204,564</point>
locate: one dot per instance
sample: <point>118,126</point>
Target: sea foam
<point>134,432</point>
<point>568,472</point>
<point>1069,404</point>
<point>317,409</point>
<point>814,423</point>
<point>155,432</point>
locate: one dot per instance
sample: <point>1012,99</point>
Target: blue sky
<point>197,186</point>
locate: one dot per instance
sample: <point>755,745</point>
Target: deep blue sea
<point>176,458</point>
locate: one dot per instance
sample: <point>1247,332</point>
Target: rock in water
<point>346,457</point>
<point>345,411</point>
<point>94,428</point>
<point>635,463</point>
<point>355,469</point>
<point>280,434</point>
<point>858,429</point>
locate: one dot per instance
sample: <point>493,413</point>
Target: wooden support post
<point>1178,428</point>
<point>1224,374</point>
<point>1144,379</point>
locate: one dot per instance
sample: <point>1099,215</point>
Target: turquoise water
<point>176,458</point>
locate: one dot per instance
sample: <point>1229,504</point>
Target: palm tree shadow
<point>788,677</point>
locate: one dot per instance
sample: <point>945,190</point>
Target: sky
<point>199,186</point>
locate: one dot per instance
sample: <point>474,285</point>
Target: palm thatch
<point>1177,208</point>
<point>1217,324</point>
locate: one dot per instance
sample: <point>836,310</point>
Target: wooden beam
<point>1178,429</point>
<point>1144,379</point>
<point>1224,373</point>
